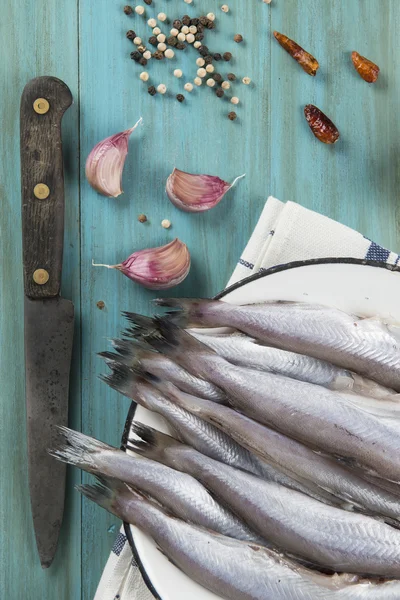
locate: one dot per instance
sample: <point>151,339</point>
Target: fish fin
<point>171,340</point>
<point>151,443</point>
<point>139,323</point>
<point>77,449</point>
<point>129,347</point>
<point>123,378</point>
<point>189,311</point>
<point>103,492</point>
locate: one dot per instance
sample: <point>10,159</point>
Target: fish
<point>316,474</point>
<point>368,346</point>
<point>162,366</point>
<point>231,569</point>
<point>181,494</point>
<point>195,431</point>
<point>309,413</point>
<point>291,521</point>
<point>244,351</point>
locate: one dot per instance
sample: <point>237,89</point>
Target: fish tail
<point>108,493</point>
<point>178,344</point>
<point>140,324</point>
<point>123,378</point>
<point>150,442</point>
<point>188,312</point>
<point>77,449</point>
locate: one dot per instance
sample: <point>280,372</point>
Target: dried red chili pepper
<point>321,126</point>
<point>306,60</point>
<point>368,70</point>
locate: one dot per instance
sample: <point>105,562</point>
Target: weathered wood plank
<point>32,46</point>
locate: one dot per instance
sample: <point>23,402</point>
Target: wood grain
<point>356,182</point>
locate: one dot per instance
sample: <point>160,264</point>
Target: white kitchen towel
<point>285,232</point>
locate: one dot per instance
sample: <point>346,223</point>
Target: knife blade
<point>49,319</point>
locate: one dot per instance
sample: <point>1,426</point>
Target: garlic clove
<point>156,268</point>
<point>196,193</point>
<point>105,163</point>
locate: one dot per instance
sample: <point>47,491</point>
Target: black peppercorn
<point>148,2</point>
<point>227,56</point>
<point>194,21</point>
<point>210,25</point>
<point>200,28</point>
<point>232,116</point>
<point>152,90</point>
<point>217,77</point>
<point>143,61</point>
<point>177,24</point>
<point>203,20</point>
<point>172,41</point>
<point>208,59</point>
<point>186,20</point>
<point>238,38</point>
<point>205,48</point>
<point>153,40</point>
<point>180,46</point>
<point>217,56</point>
<point>180,97</point>
<point>198,37</point>
<point>130,34</point>
<point>220,92</point>
<point>231,76</point>
<point>136,56</point>
<point>158,55</point>
<point>203,52</point>
<point>128,10</point>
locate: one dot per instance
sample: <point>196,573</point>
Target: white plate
<point>356,287</point>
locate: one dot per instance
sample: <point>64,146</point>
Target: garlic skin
<point>105,163</point>
<point>196,193</point>
<point>156,268</point>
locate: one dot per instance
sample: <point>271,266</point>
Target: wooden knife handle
<point>43,103</point>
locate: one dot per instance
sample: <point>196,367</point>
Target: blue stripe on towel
<point>376,252</point>
<point>119,544</point>
<point>246,264</point>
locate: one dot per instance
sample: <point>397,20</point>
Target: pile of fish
<point>281,476</point>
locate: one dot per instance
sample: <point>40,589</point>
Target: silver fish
<point>309,413</point>
<point>290,520</point>
<point>314,472</point>
<point>129,351</point>
<point>196,432</point>
<point>185,497</point>
<point>229,568</point>
<point>367,346</point>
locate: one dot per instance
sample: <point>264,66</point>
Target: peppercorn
<point>142,218</point>
<point>142,61</point>
<point>210,24</point>
<point>153,40</point>
<point>152,90</point>
<point>130,34</point>
<point>205,48</point>
<point>217,77</point>
<point>158,55</point>
<point>194,21</point>
<point>199,36</point>
<point>148,2</point>
<point>238,38</point>
<point>203,21</point>
<point>136,56</point>
<point>219,93</point>
<point>172,41</point>
<point>227,56</point>
<point>180,46</point>
<point>142,49</point>
<point>180,97</point>
<point>232,116</point>
<point>217,56</point>
<point>128,10</point>
<point>231,76</point>
<point>186,20</point>
<point>177,24</point>
<point>208,59</point>
<point>200,28</point>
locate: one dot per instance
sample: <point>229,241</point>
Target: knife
<point>49,319</point>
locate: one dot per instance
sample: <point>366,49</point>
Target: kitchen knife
<point>49,319</point>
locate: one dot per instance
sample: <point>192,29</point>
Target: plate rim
<point>259,275</point>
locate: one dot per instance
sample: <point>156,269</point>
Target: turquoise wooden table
<point>83,42</point>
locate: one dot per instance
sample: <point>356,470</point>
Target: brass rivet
<point>41,191</point>
<point>41,106</point>
<point>40,276</point>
